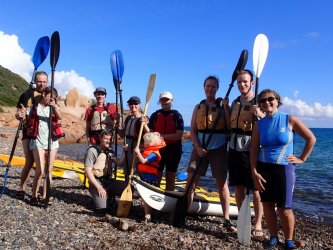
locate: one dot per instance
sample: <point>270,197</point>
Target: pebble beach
<point>70,223</point>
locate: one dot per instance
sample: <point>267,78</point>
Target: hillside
<point>11,87</point>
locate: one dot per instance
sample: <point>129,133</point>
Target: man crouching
<point>98,164</point>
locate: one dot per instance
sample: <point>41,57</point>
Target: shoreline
<point>70,222</point>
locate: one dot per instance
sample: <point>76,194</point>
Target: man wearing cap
<point>169,123</point>
<point>132,127</point>
<point>99,116</point>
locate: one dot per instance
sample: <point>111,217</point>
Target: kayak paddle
<point>240,66</point>
<point>125,200</point>
<point>117,68</point>
<point>40,53</point>
<point>54,56</point>
<point>260,51</point>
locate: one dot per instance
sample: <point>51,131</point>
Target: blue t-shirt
<point>276,139</point>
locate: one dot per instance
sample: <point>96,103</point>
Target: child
<point>148,162</point>
<point>38,131</point>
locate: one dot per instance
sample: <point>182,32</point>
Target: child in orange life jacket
<point>148,162</point>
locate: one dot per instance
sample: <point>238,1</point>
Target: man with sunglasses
<point>243,115</point>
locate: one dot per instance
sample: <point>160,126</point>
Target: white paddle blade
<point>244,222</point>
<point>260,51</point>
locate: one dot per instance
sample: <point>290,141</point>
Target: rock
<point>71,98</point>
<point>123,224</point>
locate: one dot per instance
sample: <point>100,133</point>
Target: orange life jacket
<point>153,166</point>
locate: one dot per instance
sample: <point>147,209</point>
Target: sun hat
<point>134,99</point>
<point>100,89</point>
<point>166,94</point>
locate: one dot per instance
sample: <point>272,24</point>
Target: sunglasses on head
<point>269,99</point>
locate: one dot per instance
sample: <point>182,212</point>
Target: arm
<point>193,134</point>
<point>87,118</point>
<point>307,135</point>
<point>139,156</point>
<point>254,150</point>
<point>56,109</point>
<point>89,161</point>
<point>92,181</point>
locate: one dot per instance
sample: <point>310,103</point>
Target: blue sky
<point>182,41</point>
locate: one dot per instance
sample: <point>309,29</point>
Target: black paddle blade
<point>240,64</point>
<point>180,212</point>
<point>55,49</point>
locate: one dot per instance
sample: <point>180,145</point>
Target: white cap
<point>166,94</point>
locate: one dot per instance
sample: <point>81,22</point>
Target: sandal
<point>34,201</point>
<point>258,233</point>
<point>229,226</point>
<point>20,195</point>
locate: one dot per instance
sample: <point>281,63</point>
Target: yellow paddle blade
<point>125,202</point>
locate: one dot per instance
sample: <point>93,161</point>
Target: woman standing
<point>209,119</point>
<point>273,163</point>
<point>38,131</point>
<point>169,123</point>
<point>131,129</point>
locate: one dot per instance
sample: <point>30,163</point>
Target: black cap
<point>134,99</point>
<point>100,89</point>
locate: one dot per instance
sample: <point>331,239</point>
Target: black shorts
<point>280,182</point>
<point>170,157</point>
<point>239,169</point>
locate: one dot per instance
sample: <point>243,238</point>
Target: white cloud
<point>313,35</point>
<point>302,109</point>
<point>13,57</point>
<point>64,81</point>
<point>296,92</point>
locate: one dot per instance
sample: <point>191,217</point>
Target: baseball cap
<point>100,89</point>
<point>166,94</point>
<point>134,99</point>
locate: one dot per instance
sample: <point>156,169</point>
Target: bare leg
<point>239,195</point>
<point>170,181</point>
<point>195,183</point>
<point>287,222</point>
<point>258,210</point>
<point>53,154</point>
<point>148,210</point>
<point>29,162</point>
<point>224,194</point>
<point>270,217</point>
<point>39,158</point>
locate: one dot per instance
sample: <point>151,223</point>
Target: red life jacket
<point>33,123</point>
<point>166,124</point>
<point>153,166</point>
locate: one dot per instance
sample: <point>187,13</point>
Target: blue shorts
<point>280,183</point>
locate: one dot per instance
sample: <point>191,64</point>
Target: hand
<point>256,111</point>
<point>259,181</point>
<point>53,103</point>
<point>22,112</point>
<point>201,152</point>
<point>125,147</point>
<point>294,160</point>
<point>144,119</point>
<point>101,192</point>
<point>136,151</point>
<point>225,101</point>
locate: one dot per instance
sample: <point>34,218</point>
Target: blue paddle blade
<point>41,50</point>
<point>117,65</point>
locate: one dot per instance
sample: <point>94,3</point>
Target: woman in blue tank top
<point>272,163</point>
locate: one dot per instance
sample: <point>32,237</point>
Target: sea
<point>313,193</point>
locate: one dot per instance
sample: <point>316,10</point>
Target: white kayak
<point>204,202</point>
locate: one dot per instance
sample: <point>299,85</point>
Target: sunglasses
<point>269,99</point>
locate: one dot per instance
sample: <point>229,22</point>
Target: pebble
<point>70,223</point>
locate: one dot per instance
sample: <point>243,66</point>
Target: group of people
<point>260,156</point>
<point>249,139</point>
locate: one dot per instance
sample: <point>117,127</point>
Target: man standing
<point>26,99</point>
<point>243,115</point>
<point>99,116</point>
